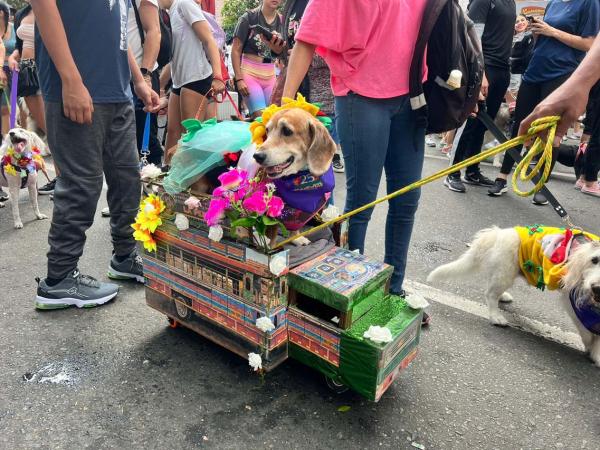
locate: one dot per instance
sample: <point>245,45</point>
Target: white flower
<point>330,213</point>
<point>416,301</point>
<point>155,189</point>
<point>181,222</point>
<point>192,202</point>
<point>255,361</point>
<point>378,334</point>
<point>215,233</point>
<point>150,172</point>
<point>149,208</point>
<point>271,187</point>
<point>278,264</point>
<point>264,324</point>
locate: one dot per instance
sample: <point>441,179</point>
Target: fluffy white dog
<point>20,163</point>
<point>550,257</point>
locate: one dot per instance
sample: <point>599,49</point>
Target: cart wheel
<point>172,323</point>
<point>336,385</point>
<point>182,307</point>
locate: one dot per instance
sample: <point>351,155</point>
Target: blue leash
<point>144,151</point>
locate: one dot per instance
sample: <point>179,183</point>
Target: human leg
<point>35,104</point>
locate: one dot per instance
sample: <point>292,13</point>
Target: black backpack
<point>164,54</point>
<point>452,44</point>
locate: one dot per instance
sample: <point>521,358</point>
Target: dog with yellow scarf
<point>547,258</point>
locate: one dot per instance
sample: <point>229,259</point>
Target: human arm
<point>142,90</point>
<point>77,102</point>
<point>204,33</point>
<point>3,79</point>
<point>148,13</point>
<point>298,66</point>
<point>13,60</point>
<point>569,100</point>
<point>276,44</point>
<point>541,28</point>
<point>165,77</point>
<point>476,21</point>
<point>236,62</point>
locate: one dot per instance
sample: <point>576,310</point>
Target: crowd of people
<point>82,63</point>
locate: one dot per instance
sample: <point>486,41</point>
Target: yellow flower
<point>268,113</point>
<point>10,152</point>
<point>258,131</point>
<point>301,103</point>
<point>148,220</point>
<point>10,170</point>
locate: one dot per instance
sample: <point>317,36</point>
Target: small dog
<point>565,260</point>
<point>297,157</point>
<point>21,161</point>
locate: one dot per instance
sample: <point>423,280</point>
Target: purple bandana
<point>304,195</point>
<point>588,313</point>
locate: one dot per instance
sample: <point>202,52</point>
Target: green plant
<point>232,11</point>
<point>17,4</point>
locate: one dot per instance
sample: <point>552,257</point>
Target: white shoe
<point>105,212</point>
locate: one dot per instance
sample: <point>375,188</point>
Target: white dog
<point>20,163</point>
<point>564,261</point>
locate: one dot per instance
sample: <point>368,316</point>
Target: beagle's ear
<point>321,148</point>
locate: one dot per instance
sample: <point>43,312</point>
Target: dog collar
<point>587,311</point>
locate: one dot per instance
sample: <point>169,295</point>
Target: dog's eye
<point>286,131</point>
<point>595,260</point>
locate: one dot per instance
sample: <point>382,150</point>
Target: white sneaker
<point>105,212</point>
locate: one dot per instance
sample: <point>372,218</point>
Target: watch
<point>145,71</point>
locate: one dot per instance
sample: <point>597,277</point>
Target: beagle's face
<point>295,140</point>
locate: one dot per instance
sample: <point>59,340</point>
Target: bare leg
<point>190,102</point>
<point>35,104</point>
<point>174,129</point>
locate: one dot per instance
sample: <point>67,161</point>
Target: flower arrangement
<point>147,220</point>
<point>19,158</point>
<point>247,203</point>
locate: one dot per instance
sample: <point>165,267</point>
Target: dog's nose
<point>11,133</point>
<point>260,157</point>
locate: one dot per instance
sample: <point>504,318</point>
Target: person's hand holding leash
<point>150,98</point>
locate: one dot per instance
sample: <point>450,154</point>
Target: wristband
<point>239,79</point>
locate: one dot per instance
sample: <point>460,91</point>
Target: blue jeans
<point>377,134</point>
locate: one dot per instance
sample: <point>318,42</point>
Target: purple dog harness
<point>304,196</point>
<point>587,312</point>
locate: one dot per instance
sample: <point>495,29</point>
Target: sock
<point>53,281</point>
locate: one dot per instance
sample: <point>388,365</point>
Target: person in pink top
<point>368,46</point>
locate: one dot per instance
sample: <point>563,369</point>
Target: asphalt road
<point>118,377</point>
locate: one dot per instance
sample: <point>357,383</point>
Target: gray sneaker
<point>129,269</point>
<point>76,289</point>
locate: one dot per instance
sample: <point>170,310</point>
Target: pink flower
<point>221,192</point>
<point>233,178</point>
<point>240,193</point>
<point>216,211</point>
<point>255,203</point>
<point>275,207</point>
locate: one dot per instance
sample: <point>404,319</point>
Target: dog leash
<point>13,98</point>
<point>540,147</point>
<point>523,163</point>
<point>144,151</point>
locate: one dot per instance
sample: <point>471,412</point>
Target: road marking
<point>518,321</point>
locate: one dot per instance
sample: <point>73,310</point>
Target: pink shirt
<point>368,44</point>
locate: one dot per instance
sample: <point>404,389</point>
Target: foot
<point>3,196</point>
<point>76,289</point>
<point>477,179</point>
<point>105,212</point>
<point>18,225</point>
<point>48,188</point>
<point>446,149</point>
<point>539,199</point>
<point>301,241</point>
<point>130,268</point>
<point>506,298</point>
<point>498,188</point>
<point>593,190</point>
<point>579,184</point>
<point>496,318</point>
<point>454,184</point>
<point>429,141</point>
<point>338,164</point>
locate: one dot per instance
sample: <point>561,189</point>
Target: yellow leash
<point>521,172</point>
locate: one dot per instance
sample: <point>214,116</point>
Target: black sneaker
<point>338,164</point>
<point>539,199</point>
<point>498,188</point>
<point>477,179</point>
<point>454,184</point>
<point>3,196</point>
<point>48,188</point>
<point>76,289</point>
<point>129,269</point>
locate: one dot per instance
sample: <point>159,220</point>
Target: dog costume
<point>16,161</point>
<point>544,251</point>
<point>304,196</point>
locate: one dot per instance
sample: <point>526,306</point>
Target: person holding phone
<point>564,35</point>
<point>256,43</point>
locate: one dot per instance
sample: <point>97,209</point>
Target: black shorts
<point>201,86</point>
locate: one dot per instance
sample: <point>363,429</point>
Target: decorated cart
<point>322,304</point>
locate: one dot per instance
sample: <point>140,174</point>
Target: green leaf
<point>244,222</point>
<point>284,231</point>
<point>261,228</point>
<point>344,408</point>
<point>270,221</point>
